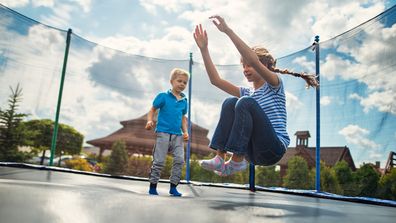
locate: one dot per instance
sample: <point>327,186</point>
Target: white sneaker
<point>215,164</point>
<point>231,167</point>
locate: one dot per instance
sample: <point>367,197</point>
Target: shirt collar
<point>181,94</point>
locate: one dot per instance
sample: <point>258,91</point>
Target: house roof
<point>330,155</point>
<point>302,133</point>
<point>142,141</point>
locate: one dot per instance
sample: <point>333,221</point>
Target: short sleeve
<point>184,111</point>
<point>159,101</point>
<point>244,91</point>
<point>276,89</point>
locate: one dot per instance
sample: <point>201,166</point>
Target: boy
<point>171,130</point>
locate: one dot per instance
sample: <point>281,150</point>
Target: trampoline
<point>40,195</point>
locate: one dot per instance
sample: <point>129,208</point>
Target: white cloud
<point>358,136</point>
<point>292,102</point>
<point>174,44</point>
<point>375,155</point>
<point>60,18</point>
<point>325,100</point>
<point>334,66</point>
<point>206,114</point>
<point>369,59</point>
<point>45,3</point>
<point>34,61</point>
<point>383,101</point>
<point>15,3</point>
<point>84,4</point>
<point>335,17</point>
<point>307,66</point>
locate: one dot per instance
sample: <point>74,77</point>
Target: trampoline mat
<point>34,195</point>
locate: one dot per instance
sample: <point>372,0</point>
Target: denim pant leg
<point>223,128</point>
<point>253,135</point>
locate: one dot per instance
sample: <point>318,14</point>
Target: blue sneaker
<point>153,189</point>
<point>173,191</point>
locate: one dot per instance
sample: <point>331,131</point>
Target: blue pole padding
<point>189,122</point>
<point>317,182</point>
<point>252,184</point>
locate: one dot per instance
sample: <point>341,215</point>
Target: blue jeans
<point>244,129</point>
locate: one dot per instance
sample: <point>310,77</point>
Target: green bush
<point>118,159</point>
<point>297,174</point>
<point>387,185</point>
<point>267,176</point>
<point>367,181</point>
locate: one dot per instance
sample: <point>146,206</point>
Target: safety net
<point>100,96</point>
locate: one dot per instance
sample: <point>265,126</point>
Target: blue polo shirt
<point>170,112</point>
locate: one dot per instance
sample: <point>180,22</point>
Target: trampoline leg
<point>252,186</point>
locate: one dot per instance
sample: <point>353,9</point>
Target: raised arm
<point>201,38</point>
<point>248,55</point>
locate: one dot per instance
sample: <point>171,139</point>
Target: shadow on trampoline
<point>273,210</point>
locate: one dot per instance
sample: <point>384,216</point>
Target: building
<point>390,163</point>
<point>141,141</point>
<point>329,155</point>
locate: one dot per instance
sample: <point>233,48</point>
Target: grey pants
<point>167,143</point>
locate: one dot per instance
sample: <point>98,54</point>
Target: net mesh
<point>104,87</point>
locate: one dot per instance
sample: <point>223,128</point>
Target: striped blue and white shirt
<point>273,101</point>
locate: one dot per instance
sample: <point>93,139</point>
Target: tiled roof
<point>330,155</point>
<point>142,141</point>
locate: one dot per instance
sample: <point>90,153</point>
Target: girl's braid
<point>266,58</point>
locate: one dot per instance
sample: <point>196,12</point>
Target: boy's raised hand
<point>219,23</point>
<point>200,37</point>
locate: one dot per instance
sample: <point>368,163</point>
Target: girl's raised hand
<point>219,23</point>
<point>200,37</point>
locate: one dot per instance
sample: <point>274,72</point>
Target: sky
<point>163,28</point>
<point>118,44</point>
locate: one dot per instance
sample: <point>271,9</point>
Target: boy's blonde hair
<point>266,59</point>
<point>177,72</point>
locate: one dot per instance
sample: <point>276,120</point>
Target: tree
<point>69,140</point>
<point>387,185</point>
<point>11,130</point>
<point>328,179</point>
<point>345,178</point>
<point>118,160</point>
<point>268,176</point>
<point>367,180</point>
<point>297,174</point>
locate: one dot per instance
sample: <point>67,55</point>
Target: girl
<point>252,124</point>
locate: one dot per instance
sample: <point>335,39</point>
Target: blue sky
<point>140,27</point>
<point>163,29</point>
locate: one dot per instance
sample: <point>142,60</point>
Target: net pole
<point>189,121</point>
<point>317,58</point>
<point>55,132</point>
